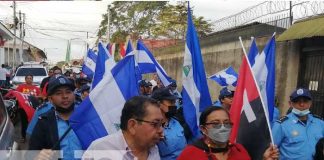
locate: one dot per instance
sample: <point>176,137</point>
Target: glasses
<point>157,124</point>
<point>219,125</point>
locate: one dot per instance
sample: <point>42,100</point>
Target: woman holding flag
<point>215,125</point>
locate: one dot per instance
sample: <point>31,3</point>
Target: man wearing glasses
<point>141,129</point>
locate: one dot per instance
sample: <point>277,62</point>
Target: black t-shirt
<point>44,81</point>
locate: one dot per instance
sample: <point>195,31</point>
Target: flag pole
<point>257,86</point>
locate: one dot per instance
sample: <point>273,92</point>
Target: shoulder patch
<point>317,116</point>
<point>282,119</point>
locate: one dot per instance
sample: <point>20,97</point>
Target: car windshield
<point>32,71</point>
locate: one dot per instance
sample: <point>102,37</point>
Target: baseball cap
<point>144,83</point>
<point>173,83</point>
<point>85,87</point>
<point>224,92</point>
<point>300,92</point>
<point>58,81</point>
<point>163,94</point>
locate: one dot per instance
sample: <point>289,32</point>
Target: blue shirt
<point>295,139</point>
<point>276,115</point>
<point>71,142</point>
<point>40,110</point>
<point>217,104</point>
<point>174,142</point>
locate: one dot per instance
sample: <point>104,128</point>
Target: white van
<point>34,68</point>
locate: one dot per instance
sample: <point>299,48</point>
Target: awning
<point>304,29</point>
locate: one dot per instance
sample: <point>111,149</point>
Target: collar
<point>126,147</point>
<point>295,119</point>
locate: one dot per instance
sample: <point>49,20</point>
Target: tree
<point>155,19</point>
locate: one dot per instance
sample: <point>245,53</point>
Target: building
<point>30,52</point>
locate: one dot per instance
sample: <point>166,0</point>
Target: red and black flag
<point>250,127</point>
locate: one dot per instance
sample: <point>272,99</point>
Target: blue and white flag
<point>195,93</point>
<point>148,64</point>
<point>99,114</point>
<point>254,51</point>
<point>105,62</point>
<point>264,68</point>
<point>89,65</point>
<point>226,77</point>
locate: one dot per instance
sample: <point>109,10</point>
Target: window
<point>32,71</point>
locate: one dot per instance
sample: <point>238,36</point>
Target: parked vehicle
<point>34,68</point>
<point>7,144</point>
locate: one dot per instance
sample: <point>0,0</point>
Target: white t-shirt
<point>3,73</point>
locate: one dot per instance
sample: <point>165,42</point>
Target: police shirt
<point>295,139</point>
<point>174,142</point>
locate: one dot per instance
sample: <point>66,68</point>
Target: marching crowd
<point>152,125</point>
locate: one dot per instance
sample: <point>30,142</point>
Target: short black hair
<point>208,111</point>
<point>135,108</point>
<point>29,75</point>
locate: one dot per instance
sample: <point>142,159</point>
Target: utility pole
<point>14,42</point>
<point>87,42</point>
<point>290,13</point>
<point>108,25</point>
<point>21,36</point>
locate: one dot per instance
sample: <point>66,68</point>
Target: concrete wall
<point>219,56</point>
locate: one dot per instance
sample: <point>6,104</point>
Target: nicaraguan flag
<point>225,77</point>
<point>253,52</point>
<point>148,64</point>
<point>89,65</point>
<point>264,70</point>
<point>104,63</point>
<point>195,93</point>
<point>99,114</point>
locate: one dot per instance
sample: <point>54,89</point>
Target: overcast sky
<point>85,16</point>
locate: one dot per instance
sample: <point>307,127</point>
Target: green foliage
<point>149,19</point>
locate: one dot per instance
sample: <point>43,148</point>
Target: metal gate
<point>311,75</point>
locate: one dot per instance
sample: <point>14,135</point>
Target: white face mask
<point>300,113</point>
<point>219,134</point>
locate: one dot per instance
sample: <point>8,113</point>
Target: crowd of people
<point>152,125</point>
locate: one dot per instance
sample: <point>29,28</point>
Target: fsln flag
<point>99,114</point>
<point>251,125</point>
<point>122,50</point>
<point>89,65</point>
<point>264,70</point>
<point>104,64</point>
<point>225,77</point>
<point>195,91</point>
<point>148,64</point>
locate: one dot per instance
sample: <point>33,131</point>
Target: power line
<point>61,30</point>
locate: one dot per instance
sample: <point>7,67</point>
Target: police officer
<point>174,141</point>
<point>297,133</point>
<point>145,87</point>
<point>226,98</point>
<point>52,130</point>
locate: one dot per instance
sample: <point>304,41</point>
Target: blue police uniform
<point>174,142</point>
<point>70,142</point>
<point>40,110</point>
<point>295,139</point>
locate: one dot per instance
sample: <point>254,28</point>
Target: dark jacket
<point>45,133</point>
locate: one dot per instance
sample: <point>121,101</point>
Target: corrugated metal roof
<point>304,29</point>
